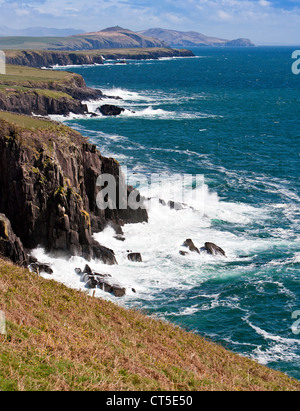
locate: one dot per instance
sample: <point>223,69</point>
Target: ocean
<point>230,118</point>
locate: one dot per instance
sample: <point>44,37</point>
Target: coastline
<point>200,386</point>
<point>49,58</point>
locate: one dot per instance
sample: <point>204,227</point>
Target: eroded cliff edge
<point>48,191</point>
<point>27,90</point>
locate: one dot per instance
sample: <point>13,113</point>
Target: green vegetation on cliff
<point>31,90</point>
<point>45,58</point>
<point>24,78</point>
<point>61,339</point>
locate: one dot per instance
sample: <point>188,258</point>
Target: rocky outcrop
<point>209,248</point>
<point>32,58</point>
<point>191,246</point>
<point>11,246</point>
<point>48,190</point>
<point>213,249</point>
<point>50,59</point>
<point>135,257</point>
<point>29,102</point>
<point>105,282</point>
<point>110,110</point>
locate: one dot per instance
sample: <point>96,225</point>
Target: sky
<point>267,22</point>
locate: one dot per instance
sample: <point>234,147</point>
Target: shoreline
<point>49,58</point>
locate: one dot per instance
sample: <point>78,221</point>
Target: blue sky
<point>263,21</point>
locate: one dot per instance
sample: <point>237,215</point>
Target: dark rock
<point>175,205</point>
<point>48,192</point>
<point>78,271</point>
<point>213,249</point>
<point>189,243</point>
<point>103,281</point>
<point>135,257</point>
<point>106,255</point>
<point>99,276</point>
<point>91,282</point>
<point>119,237</point>
<point>110,110</point>
<point>116,289</point>
<point>11,246</point>
<point>41,268</point>
<point>184,253</point>
<point>87,270</point>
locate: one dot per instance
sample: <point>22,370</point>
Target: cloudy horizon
<point>269,22</point>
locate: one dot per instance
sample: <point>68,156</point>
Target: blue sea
<point>232,117</point>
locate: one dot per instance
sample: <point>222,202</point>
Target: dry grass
<point>62,339</point>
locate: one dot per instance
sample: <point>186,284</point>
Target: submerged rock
<point>213,249</point>
<point>105,282</point>
<point>39,268</point>
<point>184,253</point>
<point>135,257</point>
<point>189,243</point>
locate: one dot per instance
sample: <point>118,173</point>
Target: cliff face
<point>48,190</point>
<point>46,59</point>
<point>36,102</point>
<point>29,90</point>
<point>49,58</point>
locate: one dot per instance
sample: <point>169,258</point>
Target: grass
<point>23,79</point>
<point>20,74</point>
<point>30,123</point>
<point>38,43</point>
<point>59,339</point>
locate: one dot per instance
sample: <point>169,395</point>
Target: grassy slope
<point>38,124</point>
<point>61,339</point>
<point>20,80</point>
<point>26,78</point>
<point>38,43</point>
<point>22,75</point>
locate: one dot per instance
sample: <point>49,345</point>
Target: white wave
<point>188,311</point>
<point>274,353</point>
<point>268,336</point>
<point>296,258</point>
<point>69,66</point>
<point>125,94</point>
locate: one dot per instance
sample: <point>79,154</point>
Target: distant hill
<point>110,38</point>
<point>193,39</point>
<point>38,32</point>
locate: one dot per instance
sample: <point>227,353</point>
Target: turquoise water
<point>231,115</point>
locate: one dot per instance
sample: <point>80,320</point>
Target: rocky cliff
<point>38,102</point>
<point>48,192</point>
<point>47,58</point>
<point>26,90</point>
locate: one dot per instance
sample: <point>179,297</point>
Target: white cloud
<point>223,15</point>
<point>256,19</point>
